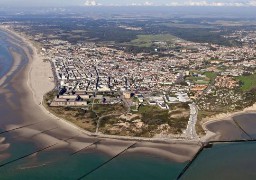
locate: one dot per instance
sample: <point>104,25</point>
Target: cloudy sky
<point>128,2</point>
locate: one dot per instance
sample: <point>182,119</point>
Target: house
<point>127,95</point>
<point>61,102</point>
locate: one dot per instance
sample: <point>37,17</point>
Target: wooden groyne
<point>107,161</point>
<point>190,162</point>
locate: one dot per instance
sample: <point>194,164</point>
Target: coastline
<point>222,117</point>
<point>35,82</point>
<point>40,88</point>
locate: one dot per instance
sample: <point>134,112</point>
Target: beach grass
<point>153,115</point>
<point>76,115</point>
<point>105,109</point>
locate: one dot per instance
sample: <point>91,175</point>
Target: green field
<point>187,26</point>
<point>148,40</point>
<point>248,82</point>
<point>203,80</point>
<point>153,115</point>
<point>198,80</point>
<point>210,75</point>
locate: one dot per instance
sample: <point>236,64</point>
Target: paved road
<point>102,117</point>
<point>191,127</point>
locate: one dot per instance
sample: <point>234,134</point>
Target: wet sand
<point>171,152</point>
<point>225,130</point>
<point>231,126</point>
<point>248,123</point>
<point>33,82</point>
<point>3,147</point>
<point>16,62</point>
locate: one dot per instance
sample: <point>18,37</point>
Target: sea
<point>5,57</point>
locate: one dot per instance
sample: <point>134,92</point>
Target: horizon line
<point>92,6</point>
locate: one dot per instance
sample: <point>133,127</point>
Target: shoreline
<point>32,78</point>
<point>222,117</point>
<point>14,66</point>
<point>38,99</point>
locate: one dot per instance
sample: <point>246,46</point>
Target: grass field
<point>105,109</point>
<point>203,80</point>
<point>210,75</point>
<point>198,80</point>
<point>189,26</point>
<point>248,82</point>
<point>148,40</point>
<point>153,115</point>
<point>233,23</point>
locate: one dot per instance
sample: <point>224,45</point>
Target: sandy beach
<point>45,129</point>
<point>222,116</point>
<point>222,133</point>
<point>172,152</point>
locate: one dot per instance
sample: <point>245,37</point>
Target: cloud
<point>215,3</point>
<point>148,3</point>
<point>35,3</point>
<point>91,3</point>
<point>207,3</point>
<point>252,3</point>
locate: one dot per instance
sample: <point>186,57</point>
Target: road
<point>102,117</point>
<point>127,103</point>
<point>209,87</point>
<point>191,127</point>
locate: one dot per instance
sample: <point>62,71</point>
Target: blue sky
<point>128,2</point>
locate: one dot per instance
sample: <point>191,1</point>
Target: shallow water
<point>136,166</point>
<point>248,123</point>
<point>5,57</point>
<point>234,161</point>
